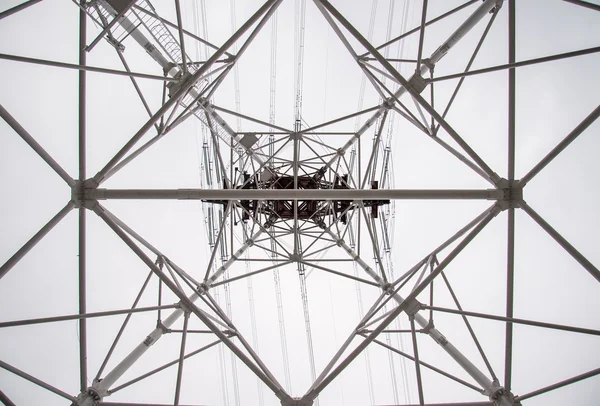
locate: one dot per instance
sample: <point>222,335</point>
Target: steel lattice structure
<point>282,199</point>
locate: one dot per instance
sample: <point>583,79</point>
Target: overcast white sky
<point>550,286</point>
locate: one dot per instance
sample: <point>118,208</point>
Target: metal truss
<point>289,197</point>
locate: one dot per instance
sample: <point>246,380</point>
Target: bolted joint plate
<point>511,194</point>
<point>296,402</point>
<point>417,83</point>
<point>83,194</point>
<point>89,397</point>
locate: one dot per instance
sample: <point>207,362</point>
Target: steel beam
<point>561,240</point>
<point>55,319</point>
<point>36,381</point>
<point>560,384</point>
<point>428,366</point>
<point>84,68</point>
<point>6,400</point>
<point>299,194</point>
<point>186,319</point>
<point>12,261</point>
<point>588,121</point>
<point>18,8</point>
<point>515,320</point>
<point>586,4</point>
<point>10,120</point>
<point>528,62</point>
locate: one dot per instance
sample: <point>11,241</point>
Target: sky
<point>551,99</point>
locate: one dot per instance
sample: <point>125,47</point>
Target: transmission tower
<point>290,280</point>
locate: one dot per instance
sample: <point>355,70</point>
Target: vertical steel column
<point>82,210</point>
<point>510,255</point>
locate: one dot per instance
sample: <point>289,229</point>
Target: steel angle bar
<point>323,268</point>
<point>509,298</point>
<point>561,240</point>
<point>186,319</point>
<point>82,299</point>
<point>471,332</point>
<point>18,8</point>
<point>218,242</point>
<point>191,331</point>
<point>5,399</point>
<point>182,274</point>
<point>375,244</point>
<point>11,121</point>
<point>268,268</point>
<point>511,88</point>
<point>421,41</point>
<point>433,368</point>
<point>135,86</point>
<point>449,241</point>
<point>189,304</point>
<point>416,359</point>
<point>560,384</point>
<point>12,261</point>
<point>183,55</point>
<point>122,329</point>
<point>343,347</point>
<point>306,255</point>
<point>376,142</point>
<point>255,120</point>
<point>54,319</point>
<point>36,381</point>
<point>467,68</point>
<point>519,64</point>
<point>87,68</point>
<point>108,27</point>
<point>589,120</point>
<point>243,341</point>
<point>586,4</point>
<point>311,130</point>
<point>434,20</point>
<point>132,233</point>
<point>267,7</point>
<point>515,320</point>
<point>405,112</point>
